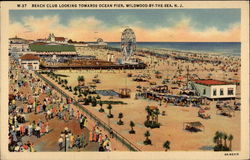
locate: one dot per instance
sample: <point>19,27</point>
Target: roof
<point>209,82</point>
<point>39,43</point>
<point>16,38</point>
<point>195,124</point>
<point>153,107</point>
<point>56,53</point>
<point>59,38</point>
<point>29,57</point>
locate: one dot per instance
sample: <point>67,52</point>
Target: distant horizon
<point>139,41</point>
<point>154,25</point>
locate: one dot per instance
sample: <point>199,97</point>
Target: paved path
<point>49,142</point>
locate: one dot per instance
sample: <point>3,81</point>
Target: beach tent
<point>193,126</point>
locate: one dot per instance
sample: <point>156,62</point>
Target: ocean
<point>226,48</point>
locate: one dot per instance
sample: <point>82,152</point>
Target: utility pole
<point>187,74</point>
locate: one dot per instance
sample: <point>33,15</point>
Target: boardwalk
<point>49,141</point>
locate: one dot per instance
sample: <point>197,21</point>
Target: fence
<point>118,136</point>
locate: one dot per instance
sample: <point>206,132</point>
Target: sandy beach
<point>172,123</point>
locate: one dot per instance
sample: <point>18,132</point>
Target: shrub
<point>152,124</point>
<point>101,110</point>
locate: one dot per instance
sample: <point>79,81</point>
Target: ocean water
<point>227,48</point>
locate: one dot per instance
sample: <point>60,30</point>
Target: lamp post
<point>65,143</point>
<point>65,139</point>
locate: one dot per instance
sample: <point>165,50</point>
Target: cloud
<point>90,28</point>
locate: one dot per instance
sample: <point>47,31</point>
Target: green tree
<point>132,124</point>
<point>101,109</point>
<point>225,139</point>
<point>94,102</point>
<point>156,112</point>
<point>220,135</point>
<point>148,110</point>
<point>120,116</point>
<point>110,114</point>
<point>166,145</point>
<point>147,141</point>
<point>80,80</point>
<point>98,97</point>
<point>85,93</point>
<point>230,138</point>
<point>216,138</point>
<point>90,99</point>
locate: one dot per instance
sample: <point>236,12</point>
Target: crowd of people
<point>22,103</point>
<point>97,135</point>
<point>68,140</point>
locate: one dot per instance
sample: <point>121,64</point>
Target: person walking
<point>78,142</point>
<point>82,140</point>
<point>85,123</point>
<point>38,129</point>
<point>71,140</point>
<point>47,126</point>
<point>60,143</point>
<point>43,128</point>
<point>30,129</point>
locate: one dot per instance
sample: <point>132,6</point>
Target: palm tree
<point>157,112</point>
<point>132,124</point>
<point>120,116</point>
<point>166,145</point>
<point>230,138</point>
<point>149,113</point>
<point>225,139</point>
<point>220,136</point>
<point>217,138</point>
<point>109,108</point>
<point>80,80</point>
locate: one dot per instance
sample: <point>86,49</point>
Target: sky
<point>154,25</point>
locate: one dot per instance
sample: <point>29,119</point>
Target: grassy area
<point>52,48</point>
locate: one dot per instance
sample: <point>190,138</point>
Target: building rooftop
<point>59,38</point>
<point>209,82</point>
<point>29,57</point>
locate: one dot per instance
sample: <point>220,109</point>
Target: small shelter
<point>193,126</point>
<point>30,61</point>
<point>226,111</point>
<point>124,93</point>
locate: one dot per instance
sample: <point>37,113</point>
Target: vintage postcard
<point>125,80</point>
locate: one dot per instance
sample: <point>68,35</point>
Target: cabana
<point>193,126</point>
<point>226,111</point>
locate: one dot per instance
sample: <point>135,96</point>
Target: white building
<point>214,89</point>
<point>53,39</point>
<point>30,62</point>
<point>98,44</point>
<point>18,46</point>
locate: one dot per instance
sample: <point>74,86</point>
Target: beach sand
<point>172,123</point>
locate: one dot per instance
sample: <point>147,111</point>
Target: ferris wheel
<point>128,43</point>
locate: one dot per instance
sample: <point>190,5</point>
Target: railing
<point>118,136</point>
